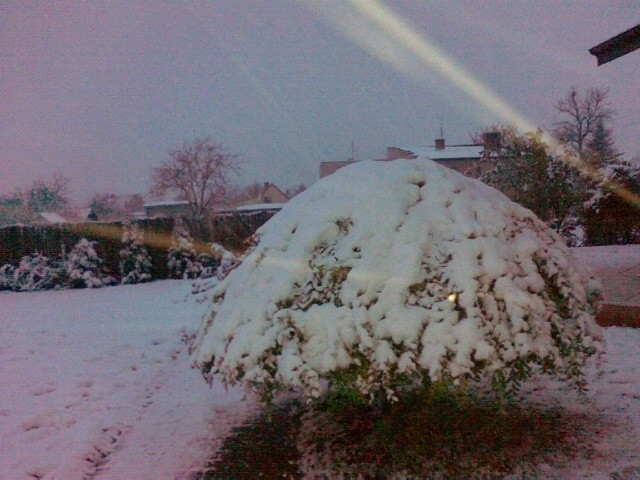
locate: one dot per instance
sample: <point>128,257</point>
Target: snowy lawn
<point>96,383</point>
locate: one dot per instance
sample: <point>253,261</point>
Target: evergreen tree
<point>601,150</point>
<point>182,259</point>
<point>135,262</point>
<point>530,176</point>
<point>82,267</point>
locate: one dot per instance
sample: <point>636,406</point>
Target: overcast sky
<point>100,91</point>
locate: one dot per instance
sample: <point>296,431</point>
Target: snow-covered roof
<point>447,153</point>
<point>166,203</point>
<point>260,206</point>
<point>52,217</point>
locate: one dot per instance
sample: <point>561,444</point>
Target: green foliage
<point>549,186</point>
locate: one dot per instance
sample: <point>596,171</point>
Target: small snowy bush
<point>226,260</point>
<point>182,259</point>
<point>6,276</point>
<point>218,265</point>
<point>389,276</point>
<point>34,272</point>
<point>135,262</point>
<point>82,267</point>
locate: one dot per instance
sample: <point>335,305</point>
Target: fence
<point>229,229</point>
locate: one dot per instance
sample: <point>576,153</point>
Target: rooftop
<point>448,152</point>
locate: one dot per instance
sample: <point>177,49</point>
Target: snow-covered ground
<point>97,383</point>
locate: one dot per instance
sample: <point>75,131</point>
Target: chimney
<point>439,143</point>
<point>266,185</point>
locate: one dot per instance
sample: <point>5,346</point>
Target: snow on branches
<point>135,262</point>
<point>390,275</point>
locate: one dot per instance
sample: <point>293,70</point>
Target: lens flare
<point>384,34</point>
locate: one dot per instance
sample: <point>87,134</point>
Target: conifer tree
<point>135,262</point>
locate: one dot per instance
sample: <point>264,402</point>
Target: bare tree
<point>197,172</point>
<point>106,205</point>
<point>580,117</point>
<point>52,194</point>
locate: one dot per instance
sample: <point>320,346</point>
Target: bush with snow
<point>6,276</point>
<point>135,262</point>
<point>83,268</point>
<point>34,272</point>
<point>219,264</point>
<point>389,276</point>
<point>182,259</point>
<point>226,260</point>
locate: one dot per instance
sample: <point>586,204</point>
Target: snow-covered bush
<point>220,263</point>
<point>389,276</point>
<point>135,262</point>
<point>182,259</point>
<point>82,267</point>
<point>6,276</point>
<point>226,260</point>
<point>35,272</point>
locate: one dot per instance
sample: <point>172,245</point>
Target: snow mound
<point>389,274</point>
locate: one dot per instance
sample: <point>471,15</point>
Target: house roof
<point>260,206</point>
<point>617,46</point>
<point>166,203</point>
<point>453,152</point>
<point>52,217</point>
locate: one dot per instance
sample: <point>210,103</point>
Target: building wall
<point>273,194</point>
<point>327,168</point>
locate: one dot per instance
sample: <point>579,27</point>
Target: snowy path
<point>97,384</point>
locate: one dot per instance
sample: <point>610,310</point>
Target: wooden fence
<point>228,229</point>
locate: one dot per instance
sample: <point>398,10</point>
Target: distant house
<point>269,194</point>
<point>167,208</point>
<point>50,217</point>
<point>87,215</point>
<point>470,159</point>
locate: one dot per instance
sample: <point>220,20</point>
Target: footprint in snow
<point>43,391</point>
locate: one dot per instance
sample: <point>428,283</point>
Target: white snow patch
<point>97,383</point>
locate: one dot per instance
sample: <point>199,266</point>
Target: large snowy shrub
<point>135,262</point>
<point>83,268</point>
<point>388,276</point>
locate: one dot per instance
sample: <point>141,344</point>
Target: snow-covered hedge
<point>135,262</point>
<point>389,275</point>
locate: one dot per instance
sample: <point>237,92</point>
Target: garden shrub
<point>182,259</point>
<point>135,262</point>
<point>395,275</point>
<point>82,267</point>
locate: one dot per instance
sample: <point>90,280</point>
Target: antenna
<point>353,152</point>
<point>441,128</point>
